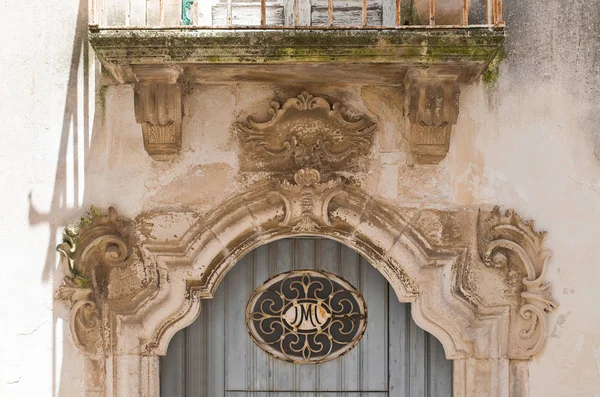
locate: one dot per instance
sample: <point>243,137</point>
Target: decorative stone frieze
<point>306,131</point>
<point>131,292</point>
<point>158,109</point>
<point>432,111</point>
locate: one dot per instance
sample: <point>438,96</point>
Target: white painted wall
<point>532,144</point>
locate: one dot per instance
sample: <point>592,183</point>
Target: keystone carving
<point>508,241</point>
<point>103,276</point>
<point>306,131</point>
<point>307,202</point>
<point>158,110</point>
<point>432,111</point>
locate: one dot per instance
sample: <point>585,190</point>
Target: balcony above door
<point>340,41</point>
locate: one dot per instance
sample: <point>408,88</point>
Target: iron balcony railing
<point>295,14</point>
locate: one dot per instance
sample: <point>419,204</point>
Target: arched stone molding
<point>472,276</point>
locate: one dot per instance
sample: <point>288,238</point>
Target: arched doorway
<point>215,356</point>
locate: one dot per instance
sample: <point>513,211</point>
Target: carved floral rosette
<point>507,241</point>
<point>306,131</point>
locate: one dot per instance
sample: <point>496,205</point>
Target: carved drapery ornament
<point>306,131</point>
<point>509,241</point>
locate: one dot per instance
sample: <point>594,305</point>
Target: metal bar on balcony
<point>330,12</point>
<point>93,20</point>
<point>157,15</point>
<point>229,12</point>
<point>498,12</point>
<point>432,12</point>
<point>296,13</point>
<point>161,12</point>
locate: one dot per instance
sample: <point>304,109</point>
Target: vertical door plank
<point>328,372</point>
<point>417,360</point>
<point>235,329</point>
<point>304,255</point>
<point>399,320</point>
<point>283,372</point>
<point>440,372</point>
<point>374,346</point>
<point>349,269</point>
<point>173,368</point>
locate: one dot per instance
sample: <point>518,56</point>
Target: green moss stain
<point>489,77</point>
<point>221,46</point>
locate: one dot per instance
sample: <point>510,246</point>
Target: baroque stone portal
<point>131,292</point>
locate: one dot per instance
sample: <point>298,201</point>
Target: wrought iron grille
<point>295,14</point>
<point>306,316</point>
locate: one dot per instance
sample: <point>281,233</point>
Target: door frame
<point>448,263</point>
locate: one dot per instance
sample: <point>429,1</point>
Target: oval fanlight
<point>306,316</point>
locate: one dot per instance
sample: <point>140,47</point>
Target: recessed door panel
<point>216,357</point>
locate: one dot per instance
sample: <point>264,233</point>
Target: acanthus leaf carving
<point>307,201</point>
<point>502,238</point>
<point>433,104</point>
<point>158,110</point>
<point>306,131</point>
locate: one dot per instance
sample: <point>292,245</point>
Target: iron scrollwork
<point>306,316</point>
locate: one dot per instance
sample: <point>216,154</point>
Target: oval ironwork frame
<point>328,316</point>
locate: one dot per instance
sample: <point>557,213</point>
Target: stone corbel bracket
<point>104,277</point>
<point>432,104</point>
<point>158,108</point>
<point>508,243</point>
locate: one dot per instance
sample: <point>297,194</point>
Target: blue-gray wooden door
<point>215,356</point>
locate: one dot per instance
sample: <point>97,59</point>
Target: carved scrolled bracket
<point>306,131</point>
<point>102,277</point>
<point>432,111</point>
<point>508,241</point>
<point>307,201</point>
<point>158,110</point>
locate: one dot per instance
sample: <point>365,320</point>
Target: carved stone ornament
<point>307,201</point>
<point>102,277</point>
<point>432,110</point>
<point>508,241</point>
<point>475,278</point>
<point>158,110</point>
<point>306,131</point>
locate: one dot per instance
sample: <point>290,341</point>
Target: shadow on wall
<point>67,203</point>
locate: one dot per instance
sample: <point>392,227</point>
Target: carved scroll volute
<point>306,131</point>
<point>507,241</point>
<point>432,111</point>
<point>89,252</point>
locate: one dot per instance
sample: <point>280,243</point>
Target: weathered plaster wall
<point>531,143</point>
